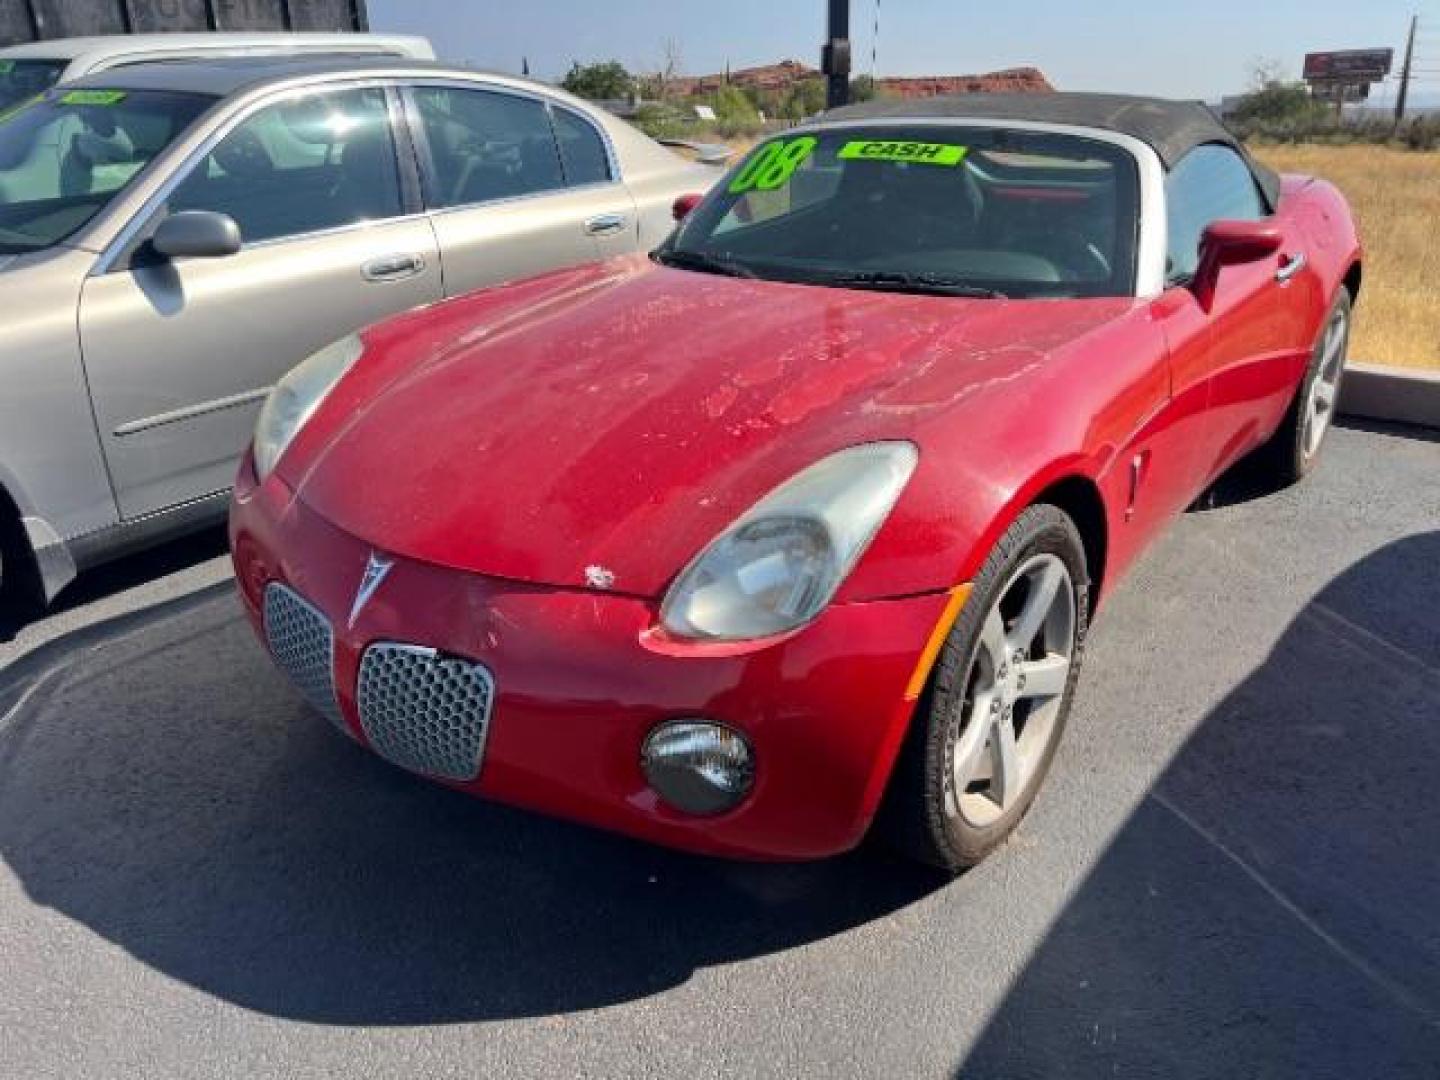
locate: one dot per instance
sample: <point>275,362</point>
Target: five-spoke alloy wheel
<point>1295,447</point>
<point>986,730</point>
<point>1015,688</point>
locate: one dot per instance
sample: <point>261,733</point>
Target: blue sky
<point>1182,50</point>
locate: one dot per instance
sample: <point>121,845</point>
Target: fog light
<point>698,767</point>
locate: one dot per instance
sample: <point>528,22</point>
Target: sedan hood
<point>602,425</point>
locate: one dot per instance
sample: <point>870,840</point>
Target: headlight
<point>777,567</point>
<point>297,396</point>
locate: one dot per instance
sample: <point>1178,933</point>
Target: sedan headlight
<point>297,396</point>
<point>779,564</point>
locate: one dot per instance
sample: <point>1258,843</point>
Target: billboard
<point>1349,66</point>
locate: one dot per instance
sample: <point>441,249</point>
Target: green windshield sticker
<point>93,97</point>
<point>772,165</point>
<point>921,153</point>
<point>6,67</point>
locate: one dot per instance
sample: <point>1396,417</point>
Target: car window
<point>65,156</point>
<point>1211,183</point>
<point>21,80</point>
<point>311,163</point>
<point>582,150</point>
<point>813,181</point>
<point>485,145</point>
<point>914,206</point>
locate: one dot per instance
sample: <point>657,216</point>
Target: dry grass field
<point>1396,197</point>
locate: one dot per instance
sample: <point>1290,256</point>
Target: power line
<point>875,43</point>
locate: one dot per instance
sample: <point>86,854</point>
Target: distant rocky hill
<point>783,75</point>
<point>1026,80</point>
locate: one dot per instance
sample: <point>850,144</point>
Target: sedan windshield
<point>21,80</point>
<point>936,209</point>
<point>65,157</point>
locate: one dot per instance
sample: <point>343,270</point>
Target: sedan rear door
<point>515,184</point>
<point>180,353</point>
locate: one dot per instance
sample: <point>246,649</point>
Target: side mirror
<point>683,205</point>
<point>1230,243</point>
<point>196,234</point>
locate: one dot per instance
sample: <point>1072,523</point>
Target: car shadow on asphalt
<point>121,575</point>
<point>172,794</point>
<point>1248,480</point>
<point>1270,908</point>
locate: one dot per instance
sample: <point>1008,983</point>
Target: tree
<point>1275,99</point>
<point>599,82</point>
<point>864,88</point>
<point>734,114</point>
<point>805,98</point>
<point>670,64</point>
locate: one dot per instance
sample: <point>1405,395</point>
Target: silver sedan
<point>174,237</point>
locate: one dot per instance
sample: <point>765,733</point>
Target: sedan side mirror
<point>1230,243</point>
<point>196,234</point>
<point>683,205</point>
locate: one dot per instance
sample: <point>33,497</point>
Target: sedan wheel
<point>986,730</point>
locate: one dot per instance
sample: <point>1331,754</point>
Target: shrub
<point>599,82</point>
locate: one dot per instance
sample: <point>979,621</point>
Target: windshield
<point>65,157</point>
<point>21,80</point>
<point>923,208</point>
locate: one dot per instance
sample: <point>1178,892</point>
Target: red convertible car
<point>798,523</point>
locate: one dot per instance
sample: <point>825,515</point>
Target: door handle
<point>392,267</point>
<point>605,224</point>
<point>1292,265</point>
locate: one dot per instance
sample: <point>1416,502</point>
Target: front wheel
<point>1294,449</point>
<point>985,732</point>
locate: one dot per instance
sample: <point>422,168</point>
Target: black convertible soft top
<point>1172,128</point>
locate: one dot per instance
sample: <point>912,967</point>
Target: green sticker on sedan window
<point>93,97</point>
<point>6,67</point>
<point>921,153</point>
<point>773,165</point>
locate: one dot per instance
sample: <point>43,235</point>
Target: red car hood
<point>617,417</point>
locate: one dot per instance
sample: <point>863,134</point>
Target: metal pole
<point>835,57</point>
<point>1405,72</point>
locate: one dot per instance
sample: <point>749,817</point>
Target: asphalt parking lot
<point>1234,870</point>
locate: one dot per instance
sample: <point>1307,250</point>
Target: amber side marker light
<point>921,674</point>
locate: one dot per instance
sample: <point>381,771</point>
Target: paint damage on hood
<point>616,418</point>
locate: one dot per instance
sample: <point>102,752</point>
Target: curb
<point>1392,394</point>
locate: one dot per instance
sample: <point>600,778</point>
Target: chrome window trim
<point>1150,245</point>
<point>510,200</point>
<point>142,217</point>
<point>612,158</point>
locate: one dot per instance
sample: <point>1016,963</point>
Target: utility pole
<point>835,56</point>
<point>1405,71</point>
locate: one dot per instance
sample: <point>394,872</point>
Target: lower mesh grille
<point>302,644</point>
<point>425,712</point>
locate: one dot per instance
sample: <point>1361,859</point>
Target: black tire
<point>921,815</point>
<point>1286,459</point>
<point>18,591</point>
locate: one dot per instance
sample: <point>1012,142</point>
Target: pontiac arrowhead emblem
<point>375,571</point>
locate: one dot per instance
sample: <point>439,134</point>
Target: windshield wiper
<point>706,264</point>
<point>928,284</point>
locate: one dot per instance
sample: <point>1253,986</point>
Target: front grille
<point>425,712</point>
<point>302,644</point>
